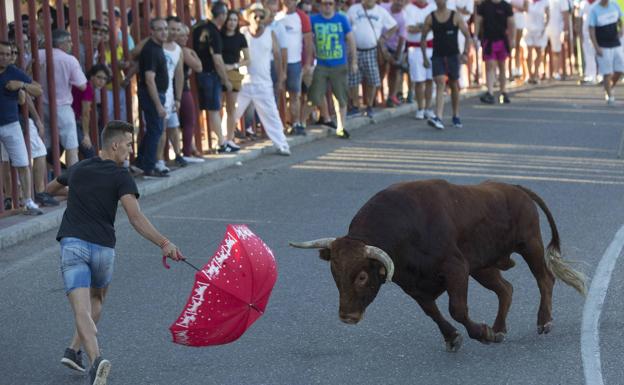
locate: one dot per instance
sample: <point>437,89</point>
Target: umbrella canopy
<point>230,292</point>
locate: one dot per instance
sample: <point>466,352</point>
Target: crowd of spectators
<point>277,67</point>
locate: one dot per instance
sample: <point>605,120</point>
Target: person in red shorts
<point>495,25</point>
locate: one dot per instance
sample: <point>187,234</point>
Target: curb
<point>14,234</point>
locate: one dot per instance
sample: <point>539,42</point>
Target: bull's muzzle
<point>350,318</point>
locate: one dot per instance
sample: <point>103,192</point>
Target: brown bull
<point>429,236</point>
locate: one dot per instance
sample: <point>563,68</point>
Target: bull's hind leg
<point>456,276</point>
<point>533,254</point>
<point>491,278</point>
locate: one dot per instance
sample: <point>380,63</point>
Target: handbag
<point>380,56</point>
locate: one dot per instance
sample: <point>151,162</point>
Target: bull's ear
<point>325,254</point>
<point>382,271</point>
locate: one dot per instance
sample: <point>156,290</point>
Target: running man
<point>87,236</point>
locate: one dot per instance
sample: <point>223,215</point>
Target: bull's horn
<point>322,243</point>
<point>378,254</point>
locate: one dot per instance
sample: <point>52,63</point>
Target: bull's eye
<point>362,278</point>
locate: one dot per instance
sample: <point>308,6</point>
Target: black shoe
<point>8,203</point>
<point>227,149</point>
<point>299,130</point>
<point>99,371</point>
<point>327,123</point>
<point>45,199</point>
<point>504,98</point>
<point>487,98</point>
<point>180,161</point>
<point>344,134</point>
<point>155,173</point>
<point>73,359</point>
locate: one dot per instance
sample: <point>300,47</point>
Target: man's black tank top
<point>444,36</point>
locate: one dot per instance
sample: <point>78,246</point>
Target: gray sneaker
<point>99,371</point>
<point>73,360</point>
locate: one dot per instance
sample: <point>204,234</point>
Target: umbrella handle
<point>164,262</point>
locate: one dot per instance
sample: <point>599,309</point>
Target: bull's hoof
<point>490,336</point>
<point>454,344</point>
<point>545,329</point>
<point>499,337</point>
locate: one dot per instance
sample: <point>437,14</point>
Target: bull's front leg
<point>456,274</point>
<point>452,337</point>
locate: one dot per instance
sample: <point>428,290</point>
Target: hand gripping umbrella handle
<point>164,262</point>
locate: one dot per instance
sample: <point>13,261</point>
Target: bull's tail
<point>559,267</point>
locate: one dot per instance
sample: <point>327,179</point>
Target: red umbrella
<point>231,291</point>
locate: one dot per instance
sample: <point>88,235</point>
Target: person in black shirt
<point>233,44</point>
<point>494,25</point>
<point>87,236</point>
<point>446,58</point>
<point>208,44</point>
<point>153,82</point>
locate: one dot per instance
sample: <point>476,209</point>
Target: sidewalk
<point>19,228</point>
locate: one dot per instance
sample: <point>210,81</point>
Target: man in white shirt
<point>519,8</point>
<point>298,29</point>
<point>557,30</point>
<point>589,53</point>
<point>368,20</point>
<point>421,77</point>
<point>536,38</point>
<point>272,6</point>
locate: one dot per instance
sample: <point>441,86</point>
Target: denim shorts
<point>209,91</point>
<point>85,264</point>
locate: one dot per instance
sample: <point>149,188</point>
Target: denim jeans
<point>146,157</point>
<point>85,264</point>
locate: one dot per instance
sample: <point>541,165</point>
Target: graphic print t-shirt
<point>329,39</point>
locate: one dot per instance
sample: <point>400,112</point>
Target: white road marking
<point>590,338</point>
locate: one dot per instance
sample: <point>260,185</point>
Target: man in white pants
<point>257,85</point>
<point>605,29</point>
<point>420,76</point>
<point>590,71</point>
<point>557,31</point>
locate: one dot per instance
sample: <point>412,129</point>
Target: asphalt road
<point>559,141</point>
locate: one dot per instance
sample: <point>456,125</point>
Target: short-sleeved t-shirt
<point>368,24</point>
<point>401,32</point>
<point>536,15</point>
<point>95,187</point>
<point>206,36</point>
<point>330,39</point>
<point>495,17</point>
<point>8,99</point>
<point>296,24</point>
<point>232,47</point>
<point>604,20</point>
<point>81,96</point>
<point>152,58</point>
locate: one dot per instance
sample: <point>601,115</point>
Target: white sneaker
<point>31,208</point>
<point>192,159</point>
<point>556,77</point>
<point>611,101</point>
<point>160,166</point>
<point>429,114</point>
<point>232,144</point>
<point>283,151</point>
<point>420,114</point>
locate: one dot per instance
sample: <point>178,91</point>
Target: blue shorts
<point>445,65</point>
<point>209,91</point>
<point>294,74</point>
<point>85,264</point>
